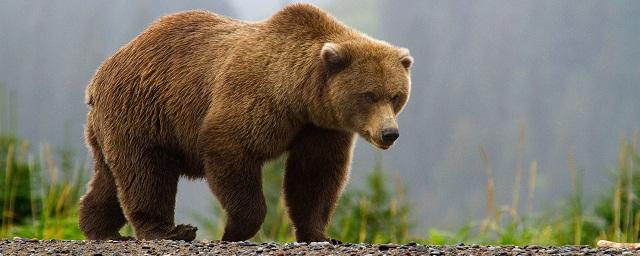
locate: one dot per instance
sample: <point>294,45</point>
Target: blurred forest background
<point>537,94</point>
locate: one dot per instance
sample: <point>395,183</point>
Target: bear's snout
<point>389,135</point>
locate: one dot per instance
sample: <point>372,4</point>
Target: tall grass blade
<point>576,203</point>
<point>533,176</point>
<point>6,207</point>
<point>490,191</point>
<point>515,197</point>
<point>617,199</point>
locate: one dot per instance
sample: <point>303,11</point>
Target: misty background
<point>567,72</point>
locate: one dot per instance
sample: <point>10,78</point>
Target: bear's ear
<point>333,57</point>
<point>406,60</point>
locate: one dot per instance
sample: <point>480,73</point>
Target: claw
<point>183,232</point>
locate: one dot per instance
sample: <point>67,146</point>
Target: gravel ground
<point>51,247</point>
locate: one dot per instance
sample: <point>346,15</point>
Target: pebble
<point>411,244</point>
<point>385,247</point>
<point>320,244</point>
<point>435,252</point>
<point>420,248</point>
<point>248,243</point>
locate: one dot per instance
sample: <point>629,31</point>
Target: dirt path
<point>36,247</point>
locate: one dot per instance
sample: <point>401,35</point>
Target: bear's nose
<point>389,135</point>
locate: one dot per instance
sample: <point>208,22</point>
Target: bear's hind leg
<point>100,214</point>
<point>147,185</point>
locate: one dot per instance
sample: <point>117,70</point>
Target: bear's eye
<point>370,97</point>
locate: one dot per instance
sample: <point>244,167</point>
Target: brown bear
<point>200,95</point>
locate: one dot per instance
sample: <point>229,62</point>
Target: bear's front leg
<point>237,183</point>
<point>317,169</point>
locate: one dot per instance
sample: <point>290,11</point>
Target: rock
<point>411,244</point>
<point>421,248</point>
<point>385,247</point>
<point>551,251</point>
<point>320,244</point>
<point>436,252</point>
<point>247,243</point>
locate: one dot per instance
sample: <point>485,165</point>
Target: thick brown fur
<point>201,95</point>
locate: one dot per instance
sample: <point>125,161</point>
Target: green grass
<point>40,198</point>
<point>374,213</point>
<point>619,212</point>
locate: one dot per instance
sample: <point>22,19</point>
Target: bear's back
<point>156,87</point>
<point>163,52</point>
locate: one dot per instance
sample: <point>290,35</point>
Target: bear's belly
<point>193,169</point>
<point>271,142</point>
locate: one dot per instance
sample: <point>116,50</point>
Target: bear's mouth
<point>383,147</point>
<point>366,135</point>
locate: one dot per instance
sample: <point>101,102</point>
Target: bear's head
<point>368,83</point>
